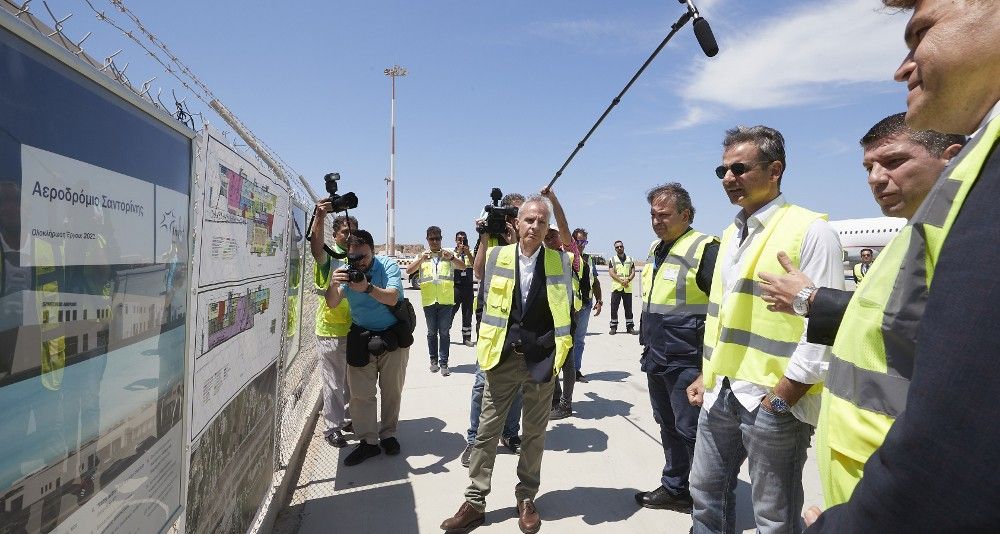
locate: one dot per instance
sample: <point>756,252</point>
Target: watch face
<point>799,306</point>
<point>779,405</point>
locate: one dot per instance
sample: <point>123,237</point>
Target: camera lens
<point>376,346</point>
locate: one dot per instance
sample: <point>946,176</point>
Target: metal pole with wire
<point>673,29</point>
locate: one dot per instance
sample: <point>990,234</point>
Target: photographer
<point>371,284</point>
<point>437,293</point>
<point>332,324</point>
<point>464,294</point>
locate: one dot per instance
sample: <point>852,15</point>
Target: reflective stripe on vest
<point>743,339</point>
<point>869,376</point>
<point>673,289</point>
<point>499,284</point>
<point>622,269</point>
<point>437,282</point>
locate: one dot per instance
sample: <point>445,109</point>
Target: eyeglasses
<point>738,168</point>
<point>582,242</point>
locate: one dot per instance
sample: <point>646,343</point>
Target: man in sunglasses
<point>437,293</point>
<point>760,379</point>
<point>621,269</point>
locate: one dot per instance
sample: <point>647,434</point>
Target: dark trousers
<point>463,299</point>
<point>565,392</point>
<point>626,300</point>
<point>678,422</point>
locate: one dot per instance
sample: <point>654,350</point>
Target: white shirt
<point>527,266</point>
<point>821,260</point>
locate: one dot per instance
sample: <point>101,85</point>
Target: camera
<point>496,215</point>
<point>347,201</point>
<point>354,271</point>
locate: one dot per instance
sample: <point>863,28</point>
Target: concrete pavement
<point>593,465</point>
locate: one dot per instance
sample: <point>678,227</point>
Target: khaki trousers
<point>336,393</point>
<point>502,383</point>
<point>388,371</point>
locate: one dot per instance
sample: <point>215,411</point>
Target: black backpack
<point>406,322</point>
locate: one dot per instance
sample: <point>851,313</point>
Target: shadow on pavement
<point>467,368</point>
<point>595,506</point>
<point>368,512</point>
<point>425,448</point>
<point>598,407</point>
<point>609,376</point>
<point>566,437</point>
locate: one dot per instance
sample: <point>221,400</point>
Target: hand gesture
<point>778,291</point>
<point>696,392</point>
<point>425,256</point>
<point>447,255</point>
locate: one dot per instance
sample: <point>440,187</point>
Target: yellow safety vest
<point>858,275</point>
<point>622,269</point>
<point>869,374</point>
<point>743,339</point>
<point>330,322</point>
<point>499,283</point>
<point>673,288</point>
<point>437,282</point>
<point>577,291</point>
<point>53,349</point>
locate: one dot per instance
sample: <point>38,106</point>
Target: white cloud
<point>802,56</point>
<point>695,115</point>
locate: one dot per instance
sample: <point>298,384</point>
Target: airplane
<point>856,234</point>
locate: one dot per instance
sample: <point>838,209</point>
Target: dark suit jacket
<point>825,314</point>
<point>939,467</point>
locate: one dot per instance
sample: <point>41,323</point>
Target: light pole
<point>390,239</point>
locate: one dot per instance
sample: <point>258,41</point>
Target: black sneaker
<point>391,446</point>
<point>361,453</point>
<point>631,330</point>
<point>468,342</point>
<point>661,499</point>
<point>348,428</point>
<point>336,439</point>
<point>580,377</point>
<point>613,331</point>
<point>444,370</point>
<point>512,443</point>
<point>561,411</point>
<point>434,366</point>
<point>467,455</point>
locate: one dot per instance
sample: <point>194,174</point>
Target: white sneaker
<point>445,371</point>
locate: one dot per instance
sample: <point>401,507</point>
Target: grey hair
<point>540,200</point>
<point>768,141</point>
<point>682,199</point>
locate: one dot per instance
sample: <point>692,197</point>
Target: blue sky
<point>498,94</point>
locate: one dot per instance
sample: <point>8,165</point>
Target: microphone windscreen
<point>703,32</point>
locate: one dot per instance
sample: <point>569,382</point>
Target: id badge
<point>670,272</point>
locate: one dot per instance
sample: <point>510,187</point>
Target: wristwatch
<point>778,404</point>
<point>800,304</point>
<point>369,288</point>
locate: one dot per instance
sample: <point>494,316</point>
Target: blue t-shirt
<point>367,312</point>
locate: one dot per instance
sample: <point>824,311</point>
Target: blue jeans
<point>678,422</point>
<point>580,336</point>
<point>439,318</point>
<point>776,448</point>
<point>511,428</point>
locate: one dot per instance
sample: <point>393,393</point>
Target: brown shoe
<point>464,520</point>
<point>528,518</point>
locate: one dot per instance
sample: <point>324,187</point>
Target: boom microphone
<point>703,32</point>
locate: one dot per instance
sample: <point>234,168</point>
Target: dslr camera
<point>347,201</point>
<point>354,270</point>
<point>496,215</point>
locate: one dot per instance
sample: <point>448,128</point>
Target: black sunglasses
<point>738,168</point>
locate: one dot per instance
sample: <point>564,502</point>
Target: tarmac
<point>594,462</point>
